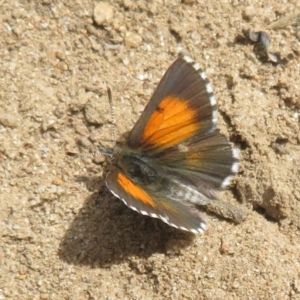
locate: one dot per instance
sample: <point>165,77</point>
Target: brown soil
<point>63,235</point>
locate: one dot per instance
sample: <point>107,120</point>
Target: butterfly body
<point>175,158</point>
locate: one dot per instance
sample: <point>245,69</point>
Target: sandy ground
<point>63,235</point>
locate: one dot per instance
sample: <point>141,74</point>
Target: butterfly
<point>175,159</point>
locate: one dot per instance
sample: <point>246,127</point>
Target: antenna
<point>105,151</point>
<point>112,112</point>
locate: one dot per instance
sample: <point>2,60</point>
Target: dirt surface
<point>63,235</point>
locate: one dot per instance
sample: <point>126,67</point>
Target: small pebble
<point>9,120</point>
<point>103,12</point>
<point>44,149</point>
<point>133,40</point>
<point>98,159</point>
<point>128,4</point>
<point>16,227</point>
<point>57,181</point>
<point>249,13</point>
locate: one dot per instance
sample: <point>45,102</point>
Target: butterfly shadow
<point>106,232</point>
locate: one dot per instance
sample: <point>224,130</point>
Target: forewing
<point>182,106</point>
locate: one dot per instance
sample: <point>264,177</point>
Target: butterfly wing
<point>178,214</point>
<point>206,162</point>
<point>182,106</point>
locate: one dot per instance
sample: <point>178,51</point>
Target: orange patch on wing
<point>134,190</point>
<point>171,123</point>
